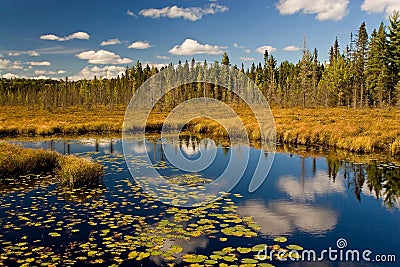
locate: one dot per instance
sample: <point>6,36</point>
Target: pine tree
<point>225,59</point>
<point>360,60</point>
<point>377,68</point>
<point>394,52</point>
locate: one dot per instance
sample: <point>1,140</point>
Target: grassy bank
<point>70,170</point>
<point>361,130</point>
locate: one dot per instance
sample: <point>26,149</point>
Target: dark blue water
<point>312,200</point>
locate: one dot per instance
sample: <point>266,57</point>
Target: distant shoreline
<point>359,130</point>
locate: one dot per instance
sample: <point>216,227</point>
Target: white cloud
<point>163,57</point>
<point>42,72</point>
<point>7,64</point>
<point>269,48</point>
<point>380,6</point>
<point>246,58</point>
<point>33,53</point>
<point>192,47</point>
<point>238,46</point>
<point>130,13</point>
<point>291,48</point>
<point>50,37</point>
<point>324,9</point>
<point>187,13</point>
<point>247,51</point>
<point>103,57</point>
<point>57,50</point>
<point>10,76</point>
<point>39,63</point>
<point>106,72</point>
<point>18,53</point>
<point>139,45</point>
<point>39,72</point>
<point>111,42</point>
<point>154,65</point>
<point>75,35</point>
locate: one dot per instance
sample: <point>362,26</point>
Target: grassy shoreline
<point>360,130</point>
<point>70,170</point>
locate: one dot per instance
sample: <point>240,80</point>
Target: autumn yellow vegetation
<point>70,170</point>
<point>360,130</point>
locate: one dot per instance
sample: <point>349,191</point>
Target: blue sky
<point>80,39</point>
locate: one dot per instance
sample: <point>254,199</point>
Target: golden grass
<point>360,130</point>
<point>76,171</point>
<point>16,121</point>
<point>15,160</point>
<point>71,170</point>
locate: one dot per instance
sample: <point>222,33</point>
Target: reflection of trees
<point>380,178</point>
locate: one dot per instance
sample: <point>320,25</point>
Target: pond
<point>311,201</point>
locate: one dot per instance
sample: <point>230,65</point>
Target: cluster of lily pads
<point>116,222</point>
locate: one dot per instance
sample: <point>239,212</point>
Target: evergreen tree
<point>360,60</point>
<point>377,68</point>
<point>225,59</point>
<point>394,52</point>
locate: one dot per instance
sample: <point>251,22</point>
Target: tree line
<point>366,73</point>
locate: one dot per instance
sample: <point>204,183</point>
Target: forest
<point>364,73</point>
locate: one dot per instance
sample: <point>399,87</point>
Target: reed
<point>74,171</point>
<point>359,130</point>
<point>77,171</point>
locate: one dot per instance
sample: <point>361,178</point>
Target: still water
<point>309,201</point>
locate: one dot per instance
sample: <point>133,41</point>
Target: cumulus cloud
<point>139,45</point>
<point>103,57</point>
<point>246,58</point>
<point>154,65</point>
<point>39,63</point>
<point>9,76</point>
<point>110,42</point>
<point>380,6</point>
<point>247,51</point>
<point>75,35</point>
<point>291,48</point>
<point>269,48</point>
<point>163,57</point>
<point>187,13</point>
<point>193,47</point>
<point>106,72</point>
<point>324,9</point>
<point>8,64</point>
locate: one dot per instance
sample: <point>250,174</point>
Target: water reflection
<point>285,218</point>
<point>311,198</point>
<point>309,189</point>
<point>379,179</point>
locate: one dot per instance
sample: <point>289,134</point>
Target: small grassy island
<point>70,170</point>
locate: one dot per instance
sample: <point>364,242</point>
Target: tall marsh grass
<point>360,130</point>
<point>70,170</point>
<point>77,171</point>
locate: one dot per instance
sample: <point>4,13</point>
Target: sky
<point>80,39</point>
